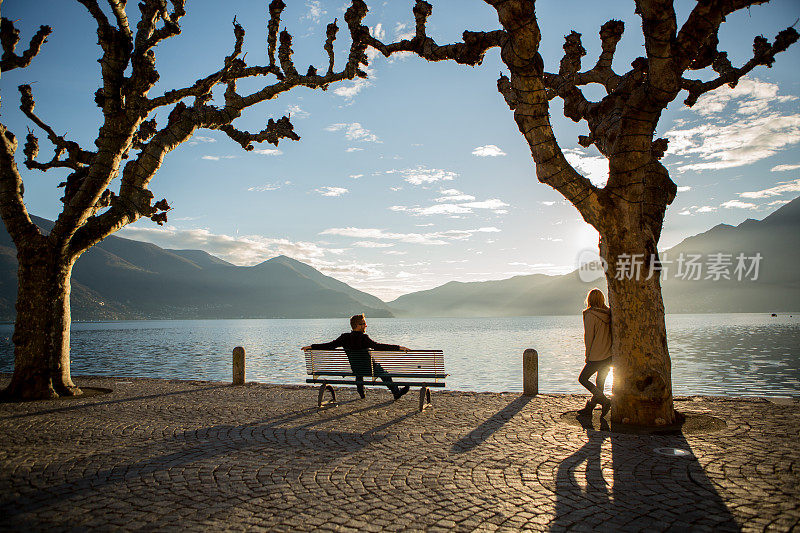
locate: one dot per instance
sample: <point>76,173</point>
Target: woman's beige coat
<point>597,333</point>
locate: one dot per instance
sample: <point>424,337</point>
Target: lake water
<point>728,354</point>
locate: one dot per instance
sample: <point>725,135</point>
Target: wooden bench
<point>415,368</point>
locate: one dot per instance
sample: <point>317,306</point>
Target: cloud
<point>751,95</point>
<point>737,144</point>
<point>684,188</point>
<point>239,250</point>
<point>722,138</point>
<point>454,195</point>
<point>267,151</point>
<point>422,175</point>
<point>372,233</point>
<point>197,139</point>
<point>372,244</point>
<point>781,188</point>
<point>736,204</point>
<point>378,32</point>
<point>295,111</point>
<point>441,209</point>
<point>489,150</point>
<point>493,203</point>
<point>354,132</point>
<point>268,187</point>
<point>595,168</point>
<point>402,31</point>
<point>437,238</point>
<point>695,209</point>
<point>456,198</point>
<point>463,208</point>
<point>217,157</point>
<point>355,87</point>
<point>315,11</point>
<point>331,191</point>
<point>784,168</point>
<point>354,149</point>
<point>452,202</point>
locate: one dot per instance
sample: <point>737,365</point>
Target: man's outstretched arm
<point>325,345</point>
<point>386,347</point>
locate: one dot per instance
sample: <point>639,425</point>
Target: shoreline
<point>779,400</point>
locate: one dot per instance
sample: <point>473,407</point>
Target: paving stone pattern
<point>169,455</point>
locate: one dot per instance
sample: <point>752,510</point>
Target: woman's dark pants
<point>601,368</point>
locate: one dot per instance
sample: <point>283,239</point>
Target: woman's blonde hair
<point>595,298</point>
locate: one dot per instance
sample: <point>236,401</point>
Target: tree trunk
<point>42,329</point>
<point>642,372</point>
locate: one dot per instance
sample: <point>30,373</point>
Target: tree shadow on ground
<point>74,407</point>
<point>259,449</point>
<point>491,425</point>
<point>619,481</point>
<point>184,458</point>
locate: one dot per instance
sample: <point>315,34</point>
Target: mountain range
<point>776,287</point>
<point>126,279</point>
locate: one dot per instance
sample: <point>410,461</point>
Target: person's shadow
<point>621,482</point>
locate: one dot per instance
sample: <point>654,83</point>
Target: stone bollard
<point>530,372</point>
<point>238,366</point>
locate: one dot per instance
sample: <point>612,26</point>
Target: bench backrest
<point>427,365</point>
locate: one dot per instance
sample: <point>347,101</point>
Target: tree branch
<point>118,7</point>
<point>144,74</point>
<point>468,52</point>
<point>701,26</point>
<point>12,208</point>
<point>526,94</point>
<point>9,37</point>
<point>282,129</point>
<point>659,27</point>
<point>602,73</point>
<point>763,54</point>
<point>76,156</point>
<point>276,7</point>
<point>134,199</point>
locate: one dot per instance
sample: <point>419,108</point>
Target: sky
<point>418,175</point>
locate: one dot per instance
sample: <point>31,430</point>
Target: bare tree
<point>628,212</point>
<point>129,143</point>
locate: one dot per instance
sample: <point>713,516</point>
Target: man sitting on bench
<point>355,345</point>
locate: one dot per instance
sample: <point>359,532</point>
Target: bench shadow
<point>628,492</point>
<point>492,424</point>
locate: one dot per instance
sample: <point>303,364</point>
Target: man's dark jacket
<point>355,345</point>
<point>355,340</point>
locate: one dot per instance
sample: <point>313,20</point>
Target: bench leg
<point>322,389</point>
<point>424,398</point>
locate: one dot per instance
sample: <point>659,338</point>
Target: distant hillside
<point>125,279</point>
<point>777,287</point>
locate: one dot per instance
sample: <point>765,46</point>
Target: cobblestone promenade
<point>169,455</point>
